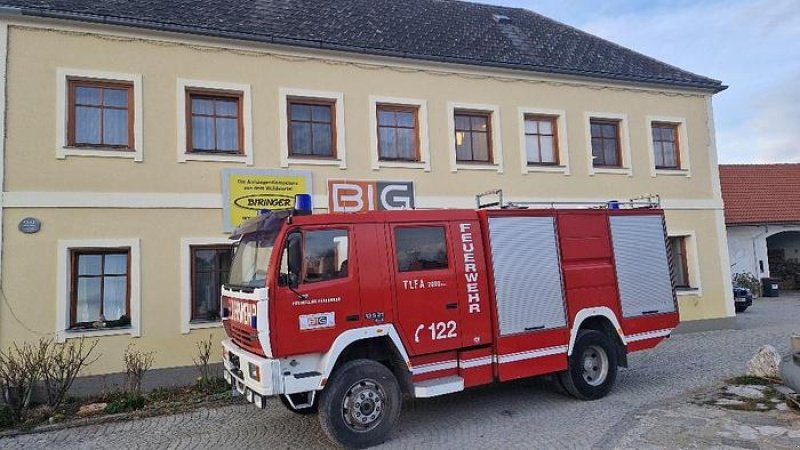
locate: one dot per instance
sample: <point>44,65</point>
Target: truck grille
<point>244,336</point>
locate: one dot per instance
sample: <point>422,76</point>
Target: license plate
<point>740,300</point>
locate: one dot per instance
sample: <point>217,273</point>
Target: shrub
<point>137,363</point>
<point>749,281</point>
<point>201,362</point>
<point>62,364</point>
<point>127,403</point>
<point>21,367</point>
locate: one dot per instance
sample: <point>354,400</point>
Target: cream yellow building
<point>118,126</point>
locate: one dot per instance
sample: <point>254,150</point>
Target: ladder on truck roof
<point>642,201</point>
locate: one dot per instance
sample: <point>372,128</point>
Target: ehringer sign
<point>359,196</point>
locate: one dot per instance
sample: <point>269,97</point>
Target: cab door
<point>317,295</point>
<point>424,278</point>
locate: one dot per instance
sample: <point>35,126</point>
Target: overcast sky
<point>753,46</point>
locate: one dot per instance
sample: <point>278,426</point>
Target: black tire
<point>591,346</point>
<point>741,308</point>
<point>377,390</point>
<point>313,409</point>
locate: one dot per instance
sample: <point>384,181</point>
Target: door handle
<point>353,318</point>
<point>451,306</point>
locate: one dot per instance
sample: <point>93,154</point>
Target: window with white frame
<point>475,142</point>
<point>98,291</point>
<point>99,114</point>
<point>214,122</point>
<point>608,143</point>
<point>669,146</point>
<point>685,262</point>
<point>543,140</point>
<point>312,130</point>
<point>399,133</point>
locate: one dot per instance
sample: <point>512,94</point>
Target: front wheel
<point>592,366</point>
<point>360,405</point>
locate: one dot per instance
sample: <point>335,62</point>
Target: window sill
<point>688,291</point>
<point>99,332</point>
<point>204,324</point>
<point>546,168</point>
<point>673,172</point>
<point>99,152</point>
<point>419,165</point>
<point>222,157</point>
<point>315,162</point>
<point>468,166</point>
<point>612,171</point>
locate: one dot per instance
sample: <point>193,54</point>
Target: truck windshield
<point>250,264</point>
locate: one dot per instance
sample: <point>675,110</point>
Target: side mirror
<point>289,280</point>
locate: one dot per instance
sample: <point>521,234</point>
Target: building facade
<point>117,135</point>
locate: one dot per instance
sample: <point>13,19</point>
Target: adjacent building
<point>131,126</point>
<point>762,215</point>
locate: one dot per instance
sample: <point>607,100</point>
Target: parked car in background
<point>742,298</point>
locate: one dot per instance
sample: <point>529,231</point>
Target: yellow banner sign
<point>248,191</point>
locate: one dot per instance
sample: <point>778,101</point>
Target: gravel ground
<point>522,414</point>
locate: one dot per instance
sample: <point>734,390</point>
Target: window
<point>312,128</point>
<point>210,267</point>
<point>100,114</point>
<point>680,267</point>
<point>541,140</point>
<point>99,295</point>
<point>214,122</point>
<point>606,151</point>
<point>665,145</point>
<point>325,255</point>
<point>398,133</point>
<point>473,136</point>
<point>421,248</point>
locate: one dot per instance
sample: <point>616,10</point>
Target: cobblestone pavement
<point>523,414</point>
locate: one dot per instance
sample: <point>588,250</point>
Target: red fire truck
<point>345,314</point>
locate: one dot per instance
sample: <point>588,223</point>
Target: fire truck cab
<point>344,314</point>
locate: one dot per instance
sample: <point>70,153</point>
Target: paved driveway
<point>523,414</point>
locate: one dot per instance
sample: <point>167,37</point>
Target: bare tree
<point>137,363</point>
<point>63,363</point>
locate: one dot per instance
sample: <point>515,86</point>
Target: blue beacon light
<point>302,204</point>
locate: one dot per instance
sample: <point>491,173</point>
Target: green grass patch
<point>749,380</point>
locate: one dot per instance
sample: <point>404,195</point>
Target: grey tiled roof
<point>435,30</point>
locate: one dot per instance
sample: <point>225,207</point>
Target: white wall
<point>747,246</point>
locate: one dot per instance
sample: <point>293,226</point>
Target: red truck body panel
<point>447,318</point>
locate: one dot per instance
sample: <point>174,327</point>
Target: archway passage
<point>783,253</point>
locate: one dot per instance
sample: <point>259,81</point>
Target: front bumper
<point>251,373</point>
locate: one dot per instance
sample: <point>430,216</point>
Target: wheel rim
<point>595,365</point>
<point>363,405</point>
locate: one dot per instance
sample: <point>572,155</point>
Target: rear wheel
<point>360,405</point>
<point>592,366</point>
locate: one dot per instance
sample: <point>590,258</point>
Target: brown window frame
<point>313,101</point>
<point>658,144</point>
<point>75,253</point>
<point>489,136</point>
<point>193,318</point>
<point>684,262</point>
<point>556,150</point>
<point>618,139</point>
<point>72,85</point>
<point>398,108</point>
<point>214,94</point>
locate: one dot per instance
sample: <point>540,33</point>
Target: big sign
<point>359,196</point>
